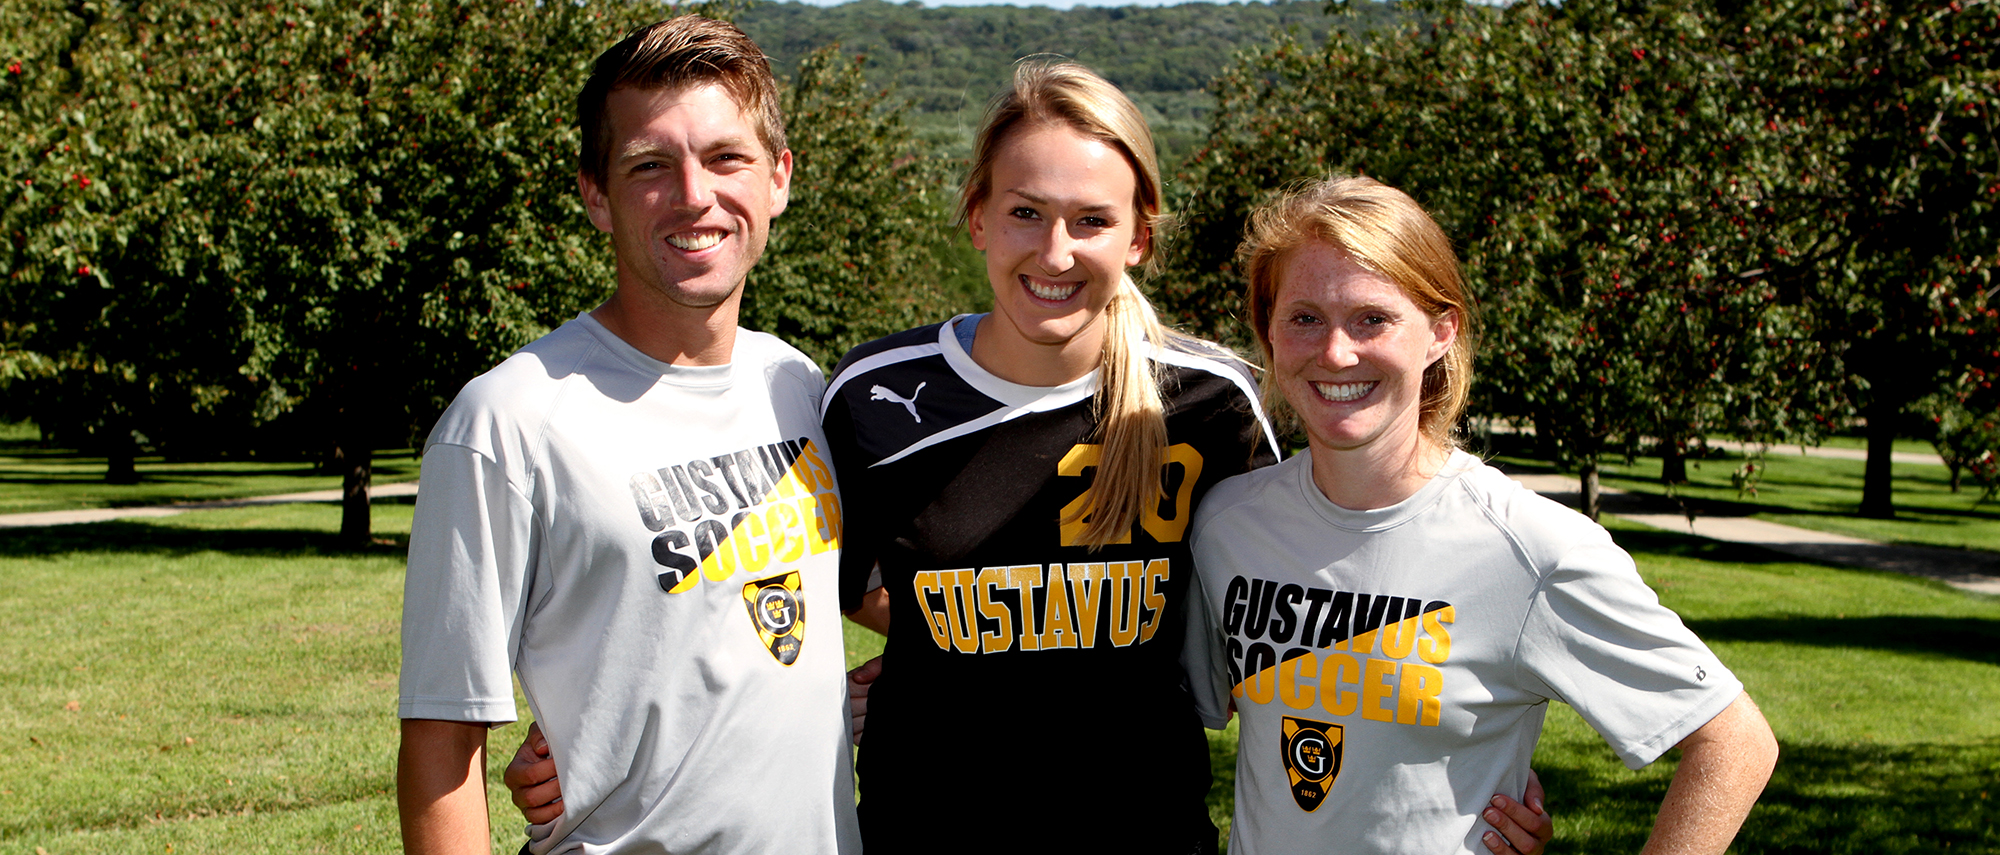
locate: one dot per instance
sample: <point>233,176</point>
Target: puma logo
<point>883,393</point>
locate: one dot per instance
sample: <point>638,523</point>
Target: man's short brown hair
<point>675,54</point>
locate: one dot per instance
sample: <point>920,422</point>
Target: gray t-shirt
<point>653,549</point>
<point>1392,666</point>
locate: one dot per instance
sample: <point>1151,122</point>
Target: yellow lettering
<point>1399,637</point>
<point>1085,583</point>
<point>1342,669</point>
<point>1076,514</point>
<point>1157,573</point>
<point>1002,638</point>
<point>927,583</point>
<point>829,505</point>
<point>1294,693</point>
<point>1417,698</point>
<point>1026,578</point>
<point>815,524</point>
<point>816,469</point>
<point>959,604</point>
<point>1437,647</point>
<point>1363,643</point>
<point>1127,586</point>
<point>1057,631</point>
<point>1375,689</point>
<point>1170,531</point>
<point>781,519</point>
<point>1261,686</point>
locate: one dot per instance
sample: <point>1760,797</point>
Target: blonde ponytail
<point>1131,420</point>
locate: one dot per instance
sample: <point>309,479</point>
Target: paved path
<point>1970,570</point>
<point>1827,451</point>
<point>1800,450</point>
<point>89,515</point>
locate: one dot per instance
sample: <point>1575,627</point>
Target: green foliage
<point>947,61</point>
<point>1964,436</point>
<point>306,226</point>
<point>1657,204</point>
<point>1899,98</point>
<point>853,257</point>
<point>262,214</point>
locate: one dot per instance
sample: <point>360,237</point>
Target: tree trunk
<point>120,466</point>
<point>1673,464</point>
<point>356,461</point>
<point>1590,488</point>
<point>1956,468</point>
<point>120,453</point>
<point>354,455</point>
<point>1877,492</point>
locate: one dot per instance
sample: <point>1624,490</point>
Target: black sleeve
<point>859,527</point>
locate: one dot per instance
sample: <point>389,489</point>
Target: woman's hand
<point>858,681</point>
<point>1524,826</point>
<point>531,779</point>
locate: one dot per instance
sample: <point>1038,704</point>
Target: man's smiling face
<point>688,196</point>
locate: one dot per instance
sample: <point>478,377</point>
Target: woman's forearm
<point>1723,769</point>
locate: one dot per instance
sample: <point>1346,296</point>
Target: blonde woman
<point>1019,486</point>
<point>1389,616</point>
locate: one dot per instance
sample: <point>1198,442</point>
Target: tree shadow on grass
<point>127,536</point>
<point>1974,639</point>
<point>1821,799</point>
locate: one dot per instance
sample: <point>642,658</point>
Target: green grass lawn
<point>222,681</point>
<point>232,675</point>
<point>1817,493</point>
<point>38,479</point>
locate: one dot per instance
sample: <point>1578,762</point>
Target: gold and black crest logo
<point>1312,759</point>
<point>778,611</point>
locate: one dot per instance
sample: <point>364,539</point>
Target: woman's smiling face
<point>1059,226</point>
<point>1349,349</point>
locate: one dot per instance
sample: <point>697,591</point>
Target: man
<point>635,513</point>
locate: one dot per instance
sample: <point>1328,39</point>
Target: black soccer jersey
<point>1026,676</point>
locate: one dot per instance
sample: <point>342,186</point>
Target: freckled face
<point>689,193</point>
<point>1349,350</point>
<point>1059,225</point>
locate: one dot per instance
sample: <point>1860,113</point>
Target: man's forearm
<point>441,788</point>
<point>1723,769</point>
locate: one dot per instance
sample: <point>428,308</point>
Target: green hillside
<point>946,62</point>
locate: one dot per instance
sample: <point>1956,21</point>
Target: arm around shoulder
<point>1724,766</point>
<point>441,787</point>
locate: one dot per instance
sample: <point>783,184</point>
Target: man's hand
<point>531,779</point>
<point>858,681</point>
<point>1523,826</point>
<point>441,787</point>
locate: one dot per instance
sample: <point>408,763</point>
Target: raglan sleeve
<point>1597,638</point>
<point>1202,653</point>
<point>857,539</point>
<point>464,596</point>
